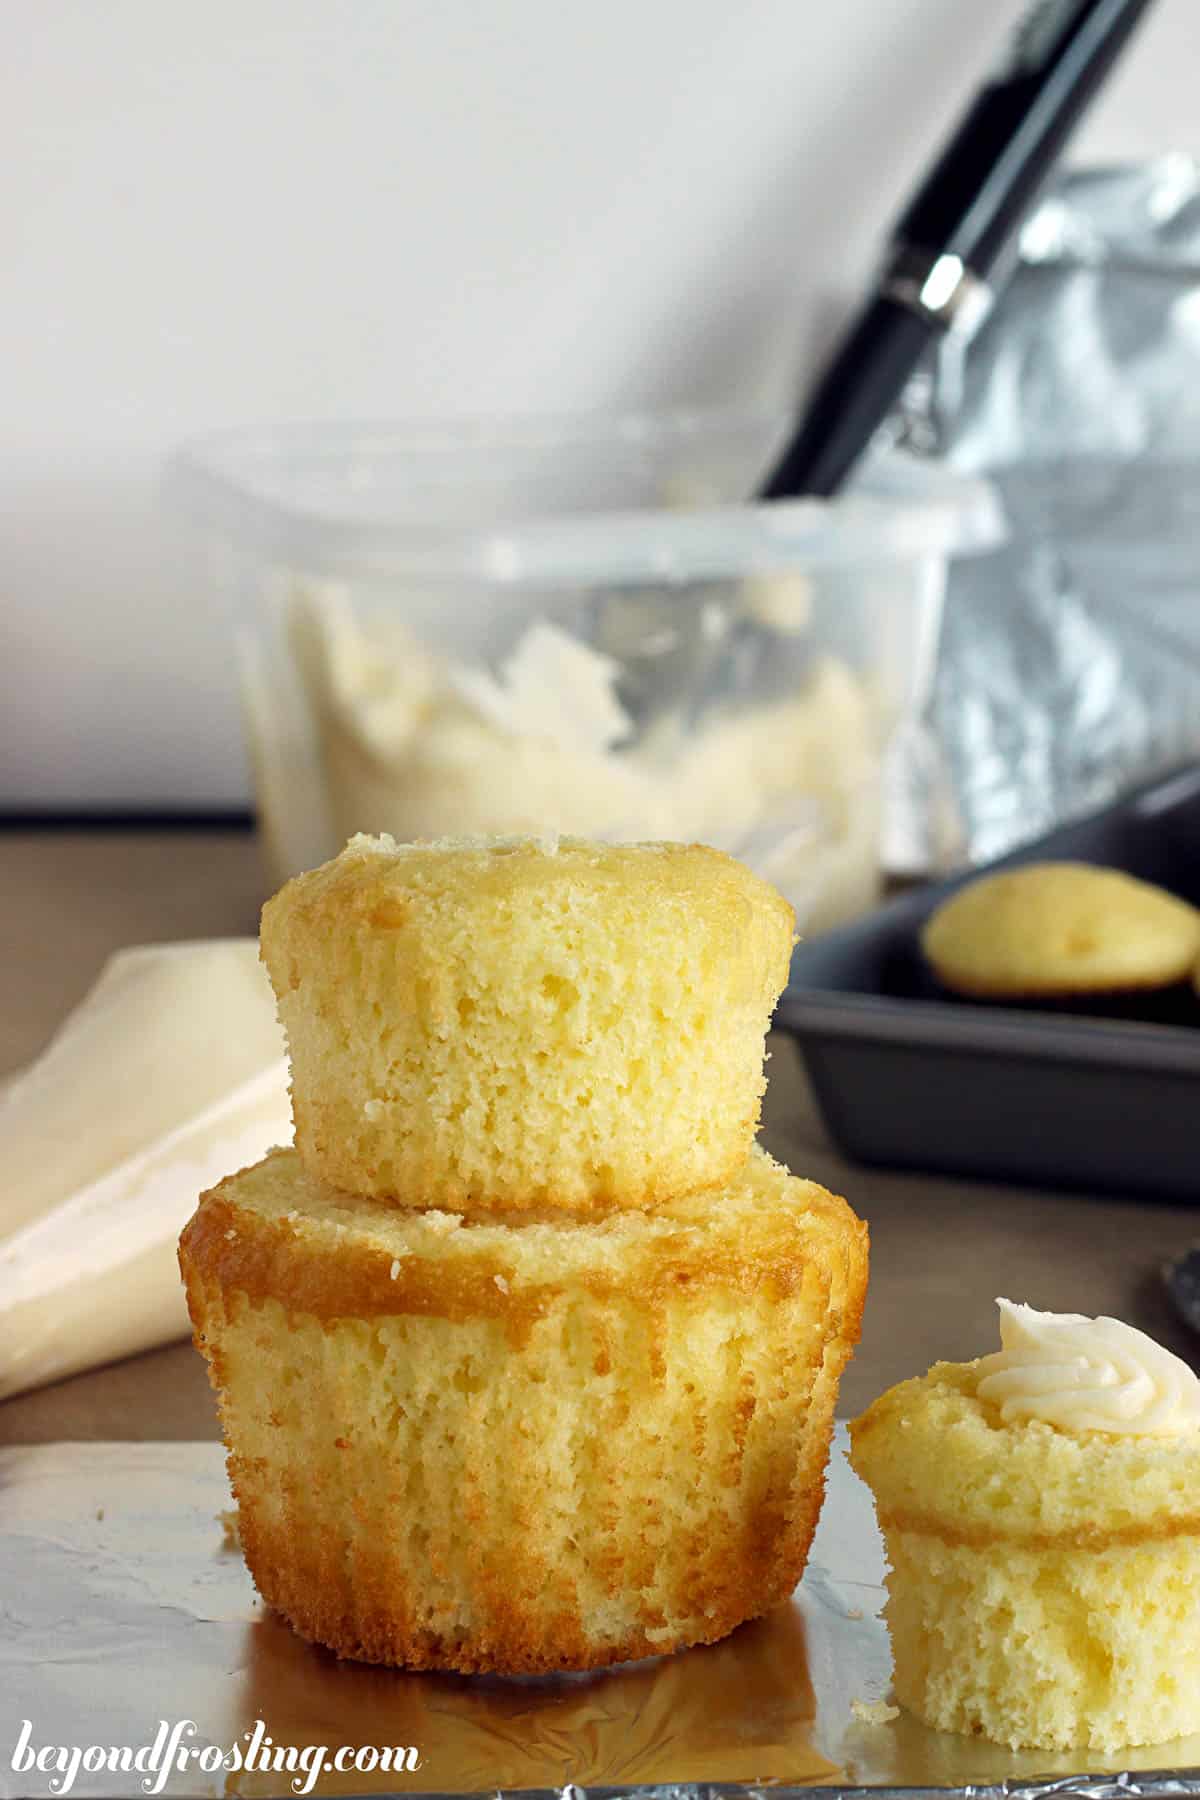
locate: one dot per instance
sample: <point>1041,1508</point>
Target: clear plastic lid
<point>603,500</point>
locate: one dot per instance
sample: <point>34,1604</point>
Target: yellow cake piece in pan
<point>1060,928</point>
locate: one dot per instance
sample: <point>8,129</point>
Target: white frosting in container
<point>413,743</point>
<point>1088,1375</point>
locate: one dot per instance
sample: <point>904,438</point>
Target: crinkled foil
<point>122,1604</point>
<point>1070,660</point>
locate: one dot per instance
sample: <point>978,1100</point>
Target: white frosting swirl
<point>1088,1375</point>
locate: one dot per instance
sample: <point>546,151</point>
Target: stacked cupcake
<point>527,1356</point>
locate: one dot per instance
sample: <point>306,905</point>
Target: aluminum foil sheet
<point>126,1610</point>
<point>1070,660</point>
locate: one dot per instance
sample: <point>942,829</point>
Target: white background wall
<point>269,209</point>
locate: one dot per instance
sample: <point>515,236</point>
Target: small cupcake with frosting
<point>1041,1512</point>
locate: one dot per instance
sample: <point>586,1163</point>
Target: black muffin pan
<point>1102,1094</point>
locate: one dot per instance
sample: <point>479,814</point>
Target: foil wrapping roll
<point>1069,667</point>
<point>126,1609</point>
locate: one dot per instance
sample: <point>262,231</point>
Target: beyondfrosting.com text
<point>177,1748</point>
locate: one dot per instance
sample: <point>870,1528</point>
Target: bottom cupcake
<point>550,1445</point>
<point>1041,1512</point>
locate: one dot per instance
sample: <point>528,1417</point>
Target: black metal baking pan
<point>1103,1096</point>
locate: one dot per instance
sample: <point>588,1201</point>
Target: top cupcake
<point>511,1024</point>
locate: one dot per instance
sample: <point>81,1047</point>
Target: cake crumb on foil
<point>874,1712</point>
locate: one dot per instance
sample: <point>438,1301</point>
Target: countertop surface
<point>941,1250</point>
